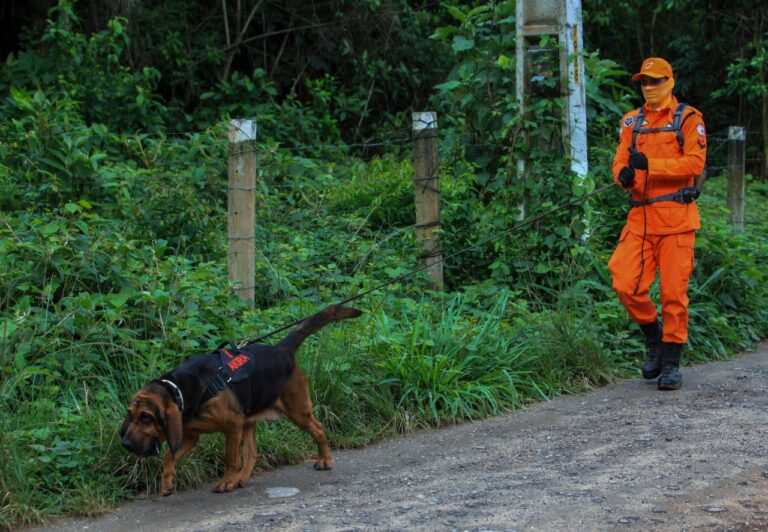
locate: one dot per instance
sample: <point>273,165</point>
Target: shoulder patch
<point>629,120</point>
<point>701,131</point>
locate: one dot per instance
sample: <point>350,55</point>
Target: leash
<point>513,229</point>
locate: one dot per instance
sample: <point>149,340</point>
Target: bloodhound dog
<point>228,391</point>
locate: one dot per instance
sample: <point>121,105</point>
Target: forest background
<point>113,192</point>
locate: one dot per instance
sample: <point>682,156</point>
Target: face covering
<point>658,96</point>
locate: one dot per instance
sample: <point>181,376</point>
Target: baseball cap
<point>654,67</point>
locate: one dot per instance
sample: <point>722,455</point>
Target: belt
<point>684,195</point>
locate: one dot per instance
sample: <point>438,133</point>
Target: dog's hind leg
<point>169,464</point>
<point>250,455</point>
<point>296,404</point>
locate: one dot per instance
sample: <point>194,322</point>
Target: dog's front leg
<point>169,464</point>
<point>250,455</point>
<point>234,436</point>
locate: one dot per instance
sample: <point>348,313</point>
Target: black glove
<point>638,159</point>
<point>627,177</point>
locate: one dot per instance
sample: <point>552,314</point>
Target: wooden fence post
<point>241,201</point>
<point>426,166</point>
<point>737,137</point>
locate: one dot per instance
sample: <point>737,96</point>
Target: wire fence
<point>717,162</point>
<point>716,155</point>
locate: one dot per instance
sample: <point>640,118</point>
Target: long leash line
<point>513,229</point>
<point>645,231</point>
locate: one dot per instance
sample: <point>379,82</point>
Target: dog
<point>228,391</point>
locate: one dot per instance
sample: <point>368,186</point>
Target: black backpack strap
<point>639,119</point>
<point>677,122</point>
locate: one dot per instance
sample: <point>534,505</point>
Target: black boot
<point>671,378</point>
<point>652,366</point>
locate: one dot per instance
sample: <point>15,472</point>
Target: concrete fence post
<point>737,137</point>
<point>426,165</point>
<point>241,201</point>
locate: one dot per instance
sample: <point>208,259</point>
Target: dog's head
<point>152,418</point>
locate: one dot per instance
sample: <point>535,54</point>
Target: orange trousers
<point>672,256</point>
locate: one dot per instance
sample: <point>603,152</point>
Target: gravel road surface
<point>624,457</point>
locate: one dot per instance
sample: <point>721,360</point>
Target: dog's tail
<point>316,322</point>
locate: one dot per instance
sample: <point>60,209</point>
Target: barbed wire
<point>528,221</point>
<point>138,135</point>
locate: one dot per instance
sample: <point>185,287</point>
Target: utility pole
<point>536,18</point>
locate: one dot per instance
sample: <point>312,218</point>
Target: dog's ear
<point>126,423</point>
<point>173,430</point>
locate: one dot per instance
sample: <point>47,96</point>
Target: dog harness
<point>234,366</point>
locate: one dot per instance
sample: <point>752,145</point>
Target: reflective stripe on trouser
<point>672,255</point>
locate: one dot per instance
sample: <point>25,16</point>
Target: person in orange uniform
<point>662,150</point>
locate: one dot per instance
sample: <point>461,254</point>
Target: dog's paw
<point>241,480</point>
<point>167,490</point>
<point>324,464</point>
<point>225,485</point>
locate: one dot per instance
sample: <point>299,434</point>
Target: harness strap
<point>217,384</point>
<point>676,122</point>
<point>684,195</point>
<point>676,126</point>
<point>222,378</point>
<point>636,129</point>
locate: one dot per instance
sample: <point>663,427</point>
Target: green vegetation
<point>113,235</point>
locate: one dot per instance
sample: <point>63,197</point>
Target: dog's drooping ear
<point>173,430</point>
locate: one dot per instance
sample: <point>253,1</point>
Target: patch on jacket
<point>701,131</point>
<point>628,121</point>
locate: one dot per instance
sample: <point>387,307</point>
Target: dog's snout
<point>130,445</point>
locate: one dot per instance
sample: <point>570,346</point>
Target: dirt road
<point>625,457</point>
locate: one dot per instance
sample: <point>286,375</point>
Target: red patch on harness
<point>238,362</point>
<point>238,366</point>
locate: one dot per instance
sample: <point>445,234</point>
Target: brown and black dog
<point>201,396</point>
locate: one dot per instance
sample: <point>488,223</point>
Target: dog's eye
<point>146,419</point>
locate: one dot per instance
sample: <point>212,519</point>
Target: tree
<point>707,42</point>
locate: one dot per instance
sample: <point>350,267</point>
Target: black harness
<point>684,195</point>
<point>253,374</point>
<point>234,366</point>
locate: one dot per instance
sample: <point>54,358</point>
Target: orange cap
<point>654,67</point>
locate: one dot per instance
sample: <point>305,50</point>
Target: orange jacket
<point>668,169</point>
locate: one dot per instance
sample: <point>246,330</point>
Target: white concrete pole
<point>520,87</point>
<point>572,66</point>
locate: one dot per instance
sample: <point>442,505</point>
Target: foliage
<point>86,73</point>
<point>486,131</point>
<point>704,69</point>
<point>113,234</point>
<point>744,75</point>
<point>729,278</point>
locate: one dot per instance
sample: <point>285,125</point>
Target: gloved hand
<point>627,177</point>
<point>637,159</point>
